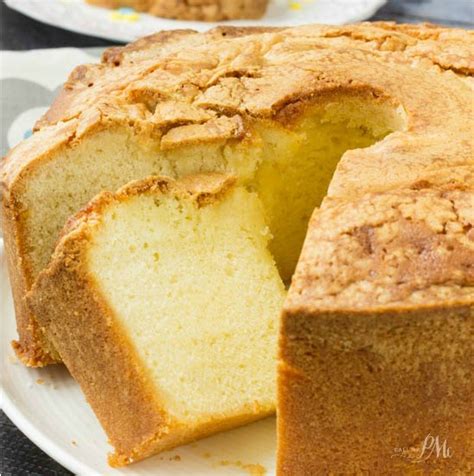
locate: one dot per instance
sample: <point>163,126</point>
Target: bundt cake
<point>376,350</point>
<point>201,10</point>
<point>163,300</point>
<point>373,123</point>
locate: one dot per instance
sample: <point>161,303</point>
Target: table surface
<point>19,456</point>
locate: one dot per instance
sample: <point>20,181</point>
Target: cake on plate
<point>365,128</point>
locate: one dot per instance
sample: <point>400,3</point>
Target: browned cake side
<point>376,343</point>
<point>201,10</point>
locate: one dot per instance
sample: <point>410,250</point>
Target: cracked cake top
<point>180,88</point>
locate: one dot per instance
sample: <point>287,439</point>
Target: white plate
<point>48,406</point>
<point>124,25</point>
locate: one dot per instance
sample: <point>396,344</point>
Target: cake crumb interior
<point>198,292</point>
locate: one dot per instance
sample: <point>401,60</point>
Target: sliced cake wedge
<point>162,300</point>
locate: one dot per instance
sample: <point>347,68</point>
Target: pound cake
<point>163,300</point>
<point>376,344</point>
<point>201,10</point>
<point>375,117</point>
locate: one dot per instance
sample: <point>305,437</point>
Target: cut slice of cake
<point>163,301</point>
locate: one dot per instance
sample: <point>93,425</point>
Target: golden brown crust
<point>202,10</point>
<point>360,392</point>
<point>114,56</point>
<point>32,347</point>
<point>157,66</point>
<point>389,250</point>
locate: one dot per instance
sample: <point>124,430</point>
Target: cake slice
<point>162,300</point>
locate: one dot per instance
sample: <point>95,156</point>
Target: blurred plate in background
<point>125,24</point>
